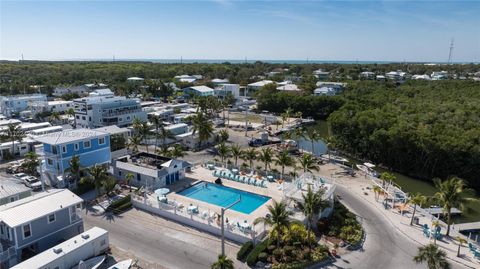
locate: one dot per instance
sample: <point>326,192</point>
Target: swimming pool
<point>224,196</point>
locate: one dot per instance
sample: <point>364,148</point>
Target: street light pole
<point>223,223</point>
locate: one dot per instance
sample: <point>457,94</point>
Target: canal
<point>412,185</point>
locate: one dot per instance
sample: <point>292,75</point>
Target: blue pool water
<point>224,196</point>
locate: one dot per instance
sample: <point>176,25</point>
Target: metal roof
<point>37,206</point>
<point>67,136</point>
<point>10,187</point>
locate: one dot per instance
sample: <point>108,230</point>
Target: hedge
<point>120,205</point>
<point>252,258</point>
<point>244,250</point>
<point>83,188</point>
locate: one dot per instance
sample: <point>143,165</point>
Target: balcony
<point>122,112</point>
<point>7,250</point>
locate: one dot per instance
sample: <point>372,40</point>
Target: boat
<point>92,263</point>
<point>122,265</point>
<point>367,168</point>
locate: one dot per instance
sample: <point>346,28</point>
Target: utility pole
<point>450,53</point>
<point>246,121</point>
<point>223,223</point>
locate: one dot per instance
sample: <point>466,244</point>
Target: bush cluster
<point>120,205</point>
<point>244,250</point>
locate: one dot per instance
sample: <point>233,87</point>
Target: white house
<point>52,106</point>
<point>14,104</point>
<point>199,91</point>
<point>439,75</point>
<point>320,74</point>
<point>253,87</point>
<point>421,77</point>
<point>80,90</point>
<point>187,78</point>
<point>288,87</point>
<point>218,81</point>
<point>135,79</point>
<point>395,75</point>
<point>225,89</point>
<point>150,171</point>
<point>325,91</point>
<point>367,75</point>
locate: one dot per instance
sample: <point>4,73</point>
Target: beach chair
<point>264,184</point>
<point>253,182</point>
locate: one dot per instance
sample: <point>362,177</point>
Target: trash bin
<point>416,220</point>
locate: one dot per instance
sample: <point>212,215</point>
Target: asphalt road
<point>161,241</point>
<point>384,246</point>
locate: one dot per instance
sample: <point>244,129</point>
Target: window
<point>49,161</point>
<point>119,173</point>
<point>27,231</point>
<point>54,149</point>
<point>86,144</point>
<point>101,140</point>
<point>128,117</point>
<point>78,117</point>
<point>89,118</point>
<point>83,117</point>
<point>64,149</point>
<point>12,199</point>
<point>51,218</point>
<point>77,146</point>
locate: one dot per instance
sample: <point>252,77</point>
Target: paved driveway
<point>160,241</point>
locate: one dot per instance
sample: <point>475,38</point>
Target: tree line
<point>423,129</point>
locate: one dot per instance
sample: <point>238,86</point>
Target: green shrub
<point>83,188</point>
<point>120,205</point>
<point>252,258</point>
<point>262,257</point>
<point>244,250</point>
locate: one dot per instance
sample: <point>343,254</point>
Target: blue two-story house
<point>91,146</point>
<point>37,223</point>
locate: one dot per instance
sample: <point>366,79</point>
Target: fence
<point>205,220</point>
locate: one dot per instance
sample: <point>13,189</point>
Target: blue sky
<point>278,30</point>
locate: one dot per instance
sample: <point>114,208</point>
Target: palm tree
<point>236,153</point>
<point>137,123</point>
<point>460,241</point>
<point>176,151</point>
<point>31,163</point>
<point>203,126</point>
<point>250,155</point>
<point>75,168</point>
<point>128,178</point>
<point>331,142</point>
<point>145,132</point>
<point>416,199</point>
<point>157,123</point>
<point>54,117</point>
<point>71,112</point>
<point>284,159</point>
<point>435,224</point>
<point>377,190</point>
<point>266,156</point>
<point>278,218</point>
<point>223,135</point>
<point>135,141</point>
<point>308,163</point>
<point>223,262</point>
<point>14,133</point>
<point>98,176</point>
<point>286,116</point>
<point>223,151</point>
<point>434,257</point>
<point>451,195</point>
<point>311,205</point>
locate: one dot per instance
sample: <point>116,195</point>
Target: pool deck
<point>203,174</point>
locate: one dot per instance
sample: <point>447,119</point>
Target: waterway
<point>408,184</point>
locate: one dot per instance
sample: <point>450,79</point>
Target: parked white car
<point>32,182</point>
<point>20,175</point>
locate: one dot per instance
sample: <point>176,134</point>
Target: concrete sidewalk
<point>358,185</point>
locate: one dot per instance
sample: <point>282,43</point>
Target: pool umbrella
<point>162,191</point>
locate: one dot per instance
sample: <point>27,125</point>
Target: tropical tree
<point>435,224</point>
<point>176,151</point>
<point>387,177</point>
<point>98,176</point>
<point>128,178</point>
<point>13,132</point>
<point>377,190</point>
<point>223,135</point>
<point>286,116</point>
<point>236,152</point>
<point>434,257</point>
<point>284,159</point>
<point>31,163</point>
<point>137,125</point>
<point>203,126</point>
<point>266,156</point>
<point>313,135</point>
<point>451,194</point>
<point>223,262</point>
<point>157,123</point>
<point>416,199</point>
<point>250,155</point>
<point>312,205</point>
<point>308,163</point>
<point>460,241</point>
<point>54,117</point>
<point>135,141</point>
<point>223,151</point>
<point>145,132</point>
<point>278,218</point>
<point>74,168</point>
<point>331,143</point>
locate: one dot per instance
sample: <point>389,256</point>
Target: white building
<point>81,90</point>
<point>219,81</point>
<point>395,75</point>
<point>199,91</point>
<point>439,75</point>
<point>367,75</point>
<point>288,87</point>
<point>380,78</point>
<point>135,79</point>
<point>320,74</point>
<point>421,77</point>
<point>187,78</point>
<point>325,91</point>
<point>68,254</point>
<point>14,104</point>
<point>225,89</point>
<point>253,87</point>
<point>52,106</point>
<point>102,108</point>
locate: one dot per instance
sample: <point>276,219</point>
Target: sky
<point>414,30</point>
